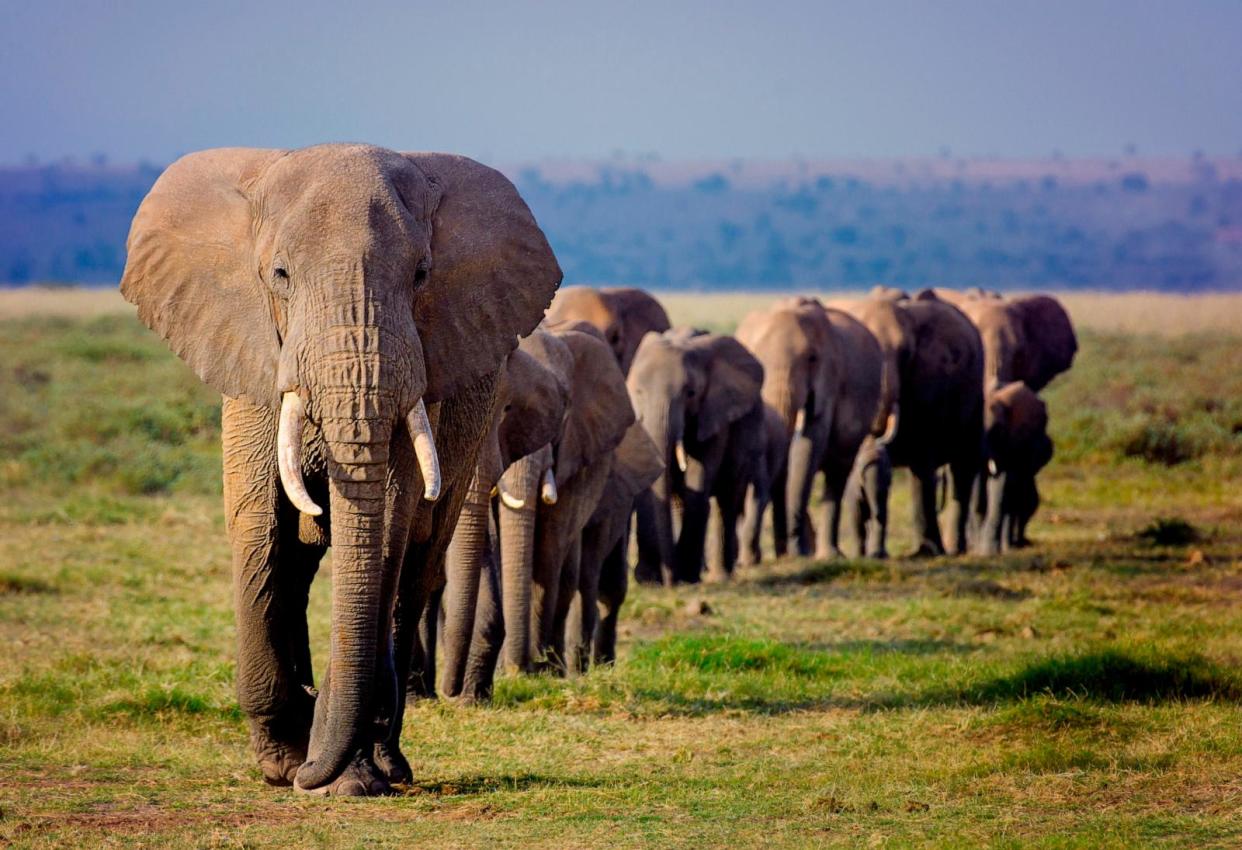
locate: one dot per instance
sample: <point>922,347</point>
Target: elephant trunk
<point>357,452</point>
<point>517,553</point>
<point>655,514</point>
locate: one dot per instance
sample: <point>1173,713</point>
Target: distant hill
<point>1169,224</point>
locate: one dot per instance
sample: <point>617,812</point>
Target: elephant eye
<point>421,271</point>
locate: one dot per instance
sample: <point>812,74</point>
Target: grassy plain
<point>1084,693</point>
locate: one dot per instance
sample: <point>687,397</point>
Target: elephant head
<point>350,286</point>
<point>622,315</point>
<point>802,361</point>
<point>687,388</point>
<point>1050,339</point>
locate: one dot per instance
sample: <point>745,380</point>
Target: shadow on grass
<point>13,584</point>
<point>471,785</point>
<point>823,572</point>
<point>1108,676</point>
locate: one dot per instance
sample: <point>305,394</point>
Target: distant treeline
<point>630,223</point>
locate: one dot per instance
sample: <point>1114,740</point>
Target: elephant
<point>698,398</point>
<point>1018,446</point>
<point>623,315</point>
<point>531,402</point>
<point>823,374</point>
<point>353,306</point>
<point>591,631</point>
<point>554,493</point>
<point>1029,338</point>
<point>932,399</point>
<point>867,492</point>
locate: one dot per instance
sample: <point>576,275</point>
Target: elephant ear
<point>599,407</point>
<point>638,312</point>
<point>734,381</point>
<point>1050,338</point>
<point>493,273</point>
<point>636,464</point>
<point>191,271</point>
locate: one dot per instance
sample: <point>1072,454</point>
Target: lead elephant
<point>697,396</point>
<point>933,391</point>
<point>300,285</point>
<point>823,374</point>
<point>541,535</point>
<point>622,315</point>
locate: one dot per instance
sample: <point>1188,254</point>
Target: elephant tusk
<point>890,427</point>
<point>511,501</point>
<point>495,490</point>
<point>992,468</point>
<point>289,453</point>
<point>548,491</point>
<point>800,421</point>
<point>679,452</point>
<point>425,450</point>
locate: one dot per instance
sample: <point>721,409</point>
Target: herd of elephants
<point>403,381</point>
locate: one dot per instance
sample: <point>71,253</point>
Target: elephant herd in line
<point>399,383</point>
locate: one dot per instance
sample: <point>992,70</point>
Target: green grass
<point>1083,693</point>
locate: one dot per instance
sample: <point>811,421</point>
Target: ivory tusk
<point>289,453</point>
<point>548,491</point>
<point>425,450</point>
<point>511,501</point>
<point>992,468</point>
<point>800,421</point>
<point>679,452</point>
<point>890,427</point>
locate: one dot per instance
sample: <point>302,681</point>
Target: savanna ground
<point>1084,693</point>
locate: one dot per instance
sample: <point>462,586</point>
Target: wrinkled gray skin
<point>822,374</point>
<point>622,315</point>
<point>933,378</point>
<point>591,630</point>
<point>541,542</point>
<point>1018,446</point>
<point>703,391</point>
<point>347,278</point>
<point>530,407</point>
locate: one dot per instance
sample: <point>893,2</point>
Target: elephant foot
<point>360,778</point>
<point>1021,543</point>
<point>832,553</point>
<point>927,550</point>
<point>878,554</point>
<point>393,764</point>
<point>279,743</point>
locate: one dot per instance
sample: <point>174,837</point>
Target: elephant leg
<point>963,474</point>
<point>926,525</point>
<point>613,585</point>
<point>715,544</point>
<point>461,591</point>
<point>877,480</point>
<point>751,526</point>
<point>489,634</point>
<point>272,572</point>
<point>584,610</point>
<point>802,467</point>
<point>829,545</point>
<point>551,545</point>
<point>688,553</point>
<point>651,564</point>
<point>422,679</point>
<point>780,516</point>
<point>554,640</point>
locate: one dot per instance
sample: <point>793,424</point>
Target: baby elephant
<point>1018,447</point>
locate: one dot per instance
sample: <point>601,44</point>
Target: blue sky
<point>524,81</point>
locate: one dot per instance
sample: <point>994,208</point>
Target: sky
<point>526,81</point>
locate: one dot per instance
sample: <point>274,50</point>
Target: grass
<point>1083,693</point>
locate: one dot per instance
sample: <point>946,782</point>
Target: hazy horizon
<point>562,81</point>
